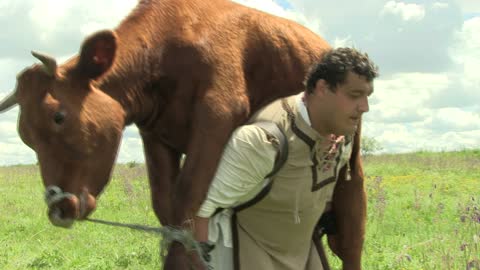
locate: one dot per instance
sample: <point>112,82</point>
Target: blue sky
<point>427,97</point>
<point>284,3</point>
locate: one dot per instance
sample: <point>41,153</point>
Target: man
<point>274,230</point>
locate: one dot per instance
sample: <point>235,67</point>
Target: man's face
<point>339,111</point>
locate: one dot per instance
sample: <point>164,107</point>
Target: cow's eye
<point>59,117</point>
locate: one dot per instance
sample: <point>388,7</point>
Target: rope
<point>169,235</point>
<point>54,194</point>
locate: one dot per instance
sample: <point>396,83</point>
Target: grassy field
<point>424,213</point>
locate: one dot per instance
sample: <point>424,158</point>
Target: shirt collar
<point>299,98</point>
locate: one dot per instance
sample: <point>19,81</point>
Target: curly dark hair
<point>336,63</point>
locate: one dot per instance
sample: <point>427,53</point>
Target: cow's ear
<point>97,54</point>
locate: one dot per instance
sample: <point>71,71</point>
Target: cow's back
<point>229,41</point>
<point>239,57</point>
<point>276,57</point>
<point>269,53</point>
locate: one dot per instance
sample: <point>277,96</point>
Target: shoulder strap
<point>282,154</point>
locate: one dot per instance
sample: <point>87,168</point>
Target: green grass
<point>423,213</point>
<point>28,241</point>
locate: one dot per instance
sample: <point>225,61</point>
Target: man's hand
<point>179,259</point>
<point>200,229</point>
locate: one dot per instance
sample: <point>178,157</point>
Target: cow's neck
<point>134,74</point>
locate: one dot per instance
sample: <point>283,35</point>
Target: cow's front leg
<point>198,171</point>
<point>349,205</point>
<point>215,118</point>
<point>350,208</point>
<point>163,167</point>
<point>214,121</point>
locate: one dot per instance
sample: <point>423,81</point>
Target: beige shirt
<point>296,200</point>
<point>275,232</point>
<point>237,182</point>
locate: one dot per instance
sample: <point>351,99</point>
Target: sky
<point>426,98</point>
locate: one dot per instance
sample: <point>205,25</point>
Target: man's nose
<point>363,106</point>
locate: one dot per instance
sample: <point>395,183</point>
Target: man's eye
<point>59,118</point>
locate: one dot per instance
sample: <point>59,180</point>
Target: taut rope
<point>169,234</point>
<point>54,194</point>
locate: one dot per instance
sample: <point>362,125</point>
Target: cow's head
<point>73,127</point>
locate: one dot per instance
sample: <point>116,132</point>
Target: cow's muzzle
<point>64,207</point>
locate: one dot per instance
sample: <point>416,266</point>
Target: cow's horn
<point>8,102</point>
<point>50,64</point>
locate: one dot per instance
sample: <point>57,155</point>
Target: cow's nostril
<point>63,207</point>
<point>52,191</point>
<point>58,218</point>
<point>55,212</point>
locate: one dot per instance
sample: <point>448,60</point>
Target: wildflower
<point>476,218</point>
<point>475,264</point>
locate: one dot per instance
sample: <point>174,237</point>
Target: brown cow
<point>187,73</point>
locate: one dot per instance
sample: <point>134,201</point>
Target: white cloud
<point>408,12</point>
<point>45,15</point>
<point>8,128</point>
<point>467,52</point>
<point>452,119</point>
<point>55,26</point>
<point>402,97</point>
<point>427,97</point>
<point>104,14</point>
<point>268,6</point>
<point>7,7</point>
<point>272,7</point>
<point>454,140</point>
<point>90,28</point>
<point>398,138</point>
<point>401,138</point>
<point>9,68</point>
<point>404,118</point>
<point>15,152</point>
<point>469,6</point>
<point>343,42</point>
<point>131,146</point>
<point>440,5</point>
<point>417,45</point>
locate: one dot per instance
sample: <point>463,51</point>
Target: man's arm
<point>350,209</point>
<point>248,157</point>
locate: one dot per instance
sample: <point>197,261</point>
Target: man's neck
<point>313,119</point>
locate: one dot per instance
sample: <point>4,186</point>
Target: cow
<point>186,73</point>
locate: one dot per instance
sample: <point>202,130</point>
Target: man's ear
<point>321,87</point>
